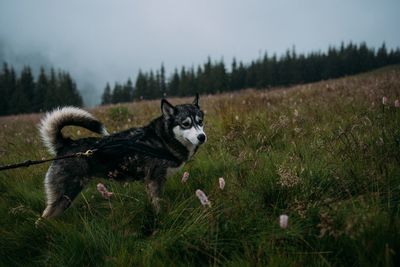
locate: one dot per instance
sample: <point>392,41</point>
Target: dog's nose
<point>201,138</point>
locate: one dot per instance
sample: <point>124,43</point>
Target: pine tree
<point>219,77</point>
<point>184,85</point>
<point>192,83</point>
<point>206,77</point>
<point>21,98</point>
<point>381,56</point>
<point>61,95</point>
<point>7,87</point>
<point>69,92</point>
<point>152,87</point>
<point>27,82</point>
<point>199,81</point>
<point>106,97</point>
<point>50,100</point>
<point>174,84</point>
<point>394,56</point>
<point>40,91</point>
<point>251,75</point>
<point>242,74</point>
<point>163,85</point>
<point>140,86</point>
<point>117,94</point>
<point>127,91</point>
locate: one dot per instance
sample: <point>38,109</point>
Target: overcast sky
<point>103,40</point>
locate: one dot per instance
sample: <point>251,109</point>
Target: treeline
<point>267,71</point>
<point>25,94</point>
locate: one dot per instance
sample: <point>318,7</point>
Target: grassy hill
<point>326,154</point>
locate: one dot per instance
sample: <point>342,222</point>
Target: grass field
<point>326,154</point>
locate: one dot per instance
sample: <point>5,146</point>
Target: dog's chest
<point>173,171</point>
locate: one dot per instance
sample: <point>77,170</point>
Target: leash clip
<point>88,153</point>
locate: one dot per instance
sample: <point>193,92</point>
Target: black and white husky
<point>158,151</point>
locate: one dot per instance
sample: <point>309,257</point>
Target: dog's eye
<point>186,124</point>
<point>199,120</point>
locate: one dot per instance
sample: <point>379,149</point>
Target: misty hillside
<point>326,154</point>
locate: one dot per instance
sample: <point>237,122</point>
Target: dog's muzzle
<point>201,138</point>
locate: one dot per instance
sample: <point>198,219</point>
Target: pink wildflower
<point>185,177</point>
<point>384,100</point>
<point>103,191</point>
<point>283,221</point>
<point>221,183</point>
<point>397,103</point>
<point>203,198</point>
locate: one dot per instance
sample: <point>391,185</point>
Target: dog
<point>159,150</point>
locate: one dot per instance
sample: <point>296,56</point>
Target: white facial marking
<point>187,120</point>
<point>188,137</point>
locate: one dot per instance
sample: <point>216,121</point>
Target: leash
<point>106,149</point>
<point>28,163</point>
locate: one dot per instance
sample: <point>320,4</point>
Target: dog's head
<point>186,122</point>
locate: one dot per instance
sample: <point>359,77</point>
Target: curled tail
<point>51,125</point>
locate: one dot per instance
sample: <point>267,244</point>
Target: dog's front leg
<point>154,189</point>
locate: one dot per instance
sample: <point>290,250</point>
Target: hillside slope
<point>326,154</point>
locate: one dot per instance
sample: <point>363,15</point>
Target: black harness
<point>119,147</point>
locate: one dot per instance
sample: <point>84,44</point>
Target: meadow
<point>325,154</point>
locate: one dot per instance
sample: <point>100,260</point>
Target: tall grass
<point>326,154</point>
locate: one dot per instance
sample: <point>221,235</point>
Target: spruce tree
<point>117,94</point>
<point>40,91</point>
<point>21,97</point>
<point>106,98</point>
<point>50,100</point>
<point>233,77</point>
<point>68,91</point>
<point>184,83</point>
<point>127,91</point>
<point>163,85</point>
<point>192,83</point>
<point>152,87</point>
<point>6,89</point>
<point>219,77</point>
<point>28,84</point>
<point>140,86</point>
<point>381,56</point>
<point>174,83</point>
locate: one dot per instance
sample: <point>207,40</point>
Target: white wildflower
<point>203,198</point>
<point>221,183</point>
<point>185,177</point>
<point>283,221</point>
<point>103,191</point>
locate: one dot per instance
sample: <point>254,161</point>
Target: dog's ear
<point>167,108</point>
<point>196,100</point>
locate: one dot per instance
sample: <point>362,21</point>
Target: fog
<point>101,41</point>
